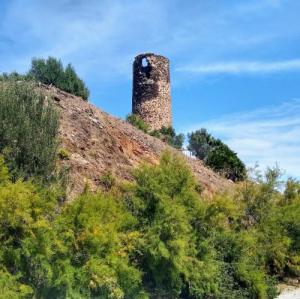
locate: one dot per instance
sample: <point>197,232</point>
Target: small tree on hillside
<point>200,143</point>
<point>168,134</point>
<point>216,155</point>
<point>73,84</point>
<point>51,71</point>
<point>223,160</point>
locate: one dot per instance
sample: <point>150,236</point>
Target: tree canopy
<point>216,155</point>
<point>51,71</point>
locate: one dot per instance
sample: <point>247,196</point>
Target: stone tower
<point>151,98</point>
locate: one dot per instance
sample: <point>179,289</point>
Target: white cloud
<point>105,35</point>
<point>267,136</point>
<point>237,67</point>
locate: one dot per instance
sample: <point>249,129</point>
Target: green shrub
<point>27,238</point>
<point>28,130</point>
<point>223,160</point>
<point>92,259</point>
<point>108,180</point>
<point>4,174</point>
<point>13,76</point>
<point>164,201</point>
<point>63,154</point>
<point>11,288</point>
<point>169,135</point>
<point>154,238</point>
<point>216,155</point>
<point>200,143</point>
<point>137,122</point>
<point>81,252</point>
<point>51,71</point>
<point>166,134</point>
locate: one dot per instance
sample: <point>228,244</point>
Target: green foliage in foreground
<point>153,238</point>
<point>216,155</point>
<point>28,130</point>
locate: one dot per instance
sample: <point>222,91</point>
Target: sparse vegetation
<point>63,154</point>
<point>165,134</point>
<point>137,122</point>
<point>107,181</point>
<point>169,135</point>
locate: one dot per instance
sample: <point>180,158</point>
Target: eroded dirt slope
<point>98,143</point>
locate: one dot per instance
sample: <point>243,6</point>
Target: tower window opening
<point>146,67</point>
<point>145,62</point>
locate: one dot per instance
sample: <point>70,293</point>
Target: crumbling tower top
<point>151,98</point>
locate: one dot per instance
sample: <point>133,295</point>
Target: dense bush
<point>216,155</point>
<point>28,130</point>
<point>51,71</point>
<point>151,238</point>
<point>81,252</point>
<point>223,160</point>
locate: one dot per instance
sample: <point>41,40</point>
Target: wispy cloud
<point>107,34</point>
<point>245,67</point>
<point>267,136</point>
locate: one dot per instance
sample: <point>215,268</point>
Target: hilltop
<point>99,143</point>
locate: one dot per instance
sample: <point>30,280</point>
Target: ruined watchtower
<point>151,98</point>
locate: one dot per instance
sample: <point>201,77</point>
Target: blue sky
<point>235,64</point>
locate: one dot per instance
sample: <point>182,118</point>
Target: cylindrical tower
<point>151,98</point>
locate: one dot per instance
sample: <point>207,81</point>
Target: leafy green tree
<point>73,84</point>
<point>48,71</point>
<point>28,130</point>
<point>223,160</point>
<point>200,143</point>
<point>216,155</point>
<point>51,71</point>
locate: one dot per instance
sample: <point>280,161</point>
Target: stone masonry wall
<point>151,98</point>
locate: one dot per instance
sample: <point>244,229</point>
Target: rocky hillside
<point>99,143</point>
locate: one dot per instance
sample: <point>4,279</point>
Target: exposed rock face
<point>151,98</point>
<point>99,143</point>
